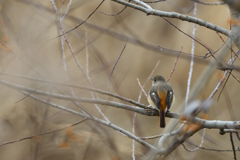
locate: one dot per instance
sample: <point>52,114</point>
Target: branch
<point>233,147</point>
<point>108,124</point>
<point>210,124</point>
<point>182,17</point>
<point>80,87</point>
<point>41,134</point>
<point>210,4</point>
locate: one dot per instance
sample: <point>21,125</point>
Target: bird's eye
<point>154,80</point>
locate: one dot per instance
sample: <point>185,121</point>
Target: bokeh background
<point>29,28</point>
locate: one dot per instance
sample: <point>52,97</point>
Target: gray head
<point>158,79</point>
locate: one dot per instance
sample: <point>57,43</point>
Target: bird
<point>161,96</point>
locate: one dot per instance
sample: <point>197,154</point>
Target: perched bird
<point>161,97</point>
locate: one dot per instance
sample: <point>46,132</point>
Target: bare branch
<point>108,124</point>
<point>74,56</point>
<point>192,52</point>
<point>83,21</point>
<point>80,87</point>
<point>177,16</point>
<point>42,134</point>
<point>116,64</point>
<point>210,4</point>
<point>175,64</point>
<point>233,147</point>
<point>150,112</point>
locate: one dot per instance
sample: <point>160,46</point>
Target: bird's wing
<point>155,98</point>
<point>169,98</point>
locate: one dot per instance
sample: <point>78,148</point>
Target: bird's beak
<point>151,78</point>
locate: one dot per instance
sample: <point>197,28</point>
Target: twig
<point>177,16</point>
<point>205,123</point>
<point>67,9</point>
<point>83,21</point>
<point>198,147</point>
<point>142,86</point>
<point>235,77</point>
<point>174,66</point>
<point>193,38</point>
<point>42,134</point>
<point>139,97</point>
<point>108,124</point>
<point>114,14</point>
<point>210,149</point>
<point>80,87</point>
<point>230,62</point>
<point>75,58</point>
<point>151,74</point>
<point>154,1</point>
<point>233,147</point>
<point>151,137</point>
<point>227,45</point>
<point>122,37</point>
<point>192,52</point>
<point>63,50</point>
<point>142,4</point>
<point>116,64</point>
<point>230,131</point>
<point>224,86</point>
<point>210,4</point>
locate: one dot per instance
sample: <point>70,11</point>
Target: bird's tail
<point>162,118</point>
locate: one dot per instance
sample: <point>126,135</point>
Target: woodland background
<point>29,30</point>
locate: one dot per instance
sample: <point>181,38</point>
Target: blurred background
<point>29,30</point>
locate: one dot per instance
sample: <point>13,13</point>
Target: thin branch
<point>83,21</point>
<point>67,9</point>
<point>224,42</point>
<point>139,99</point>
<point>108,124</point>
<point>174,145</point>
<point>141,3</point>
<point>75,58</point>
<point>151,137</point>
<point>80,87</point>
<point>209,4</point>
<point>154,1</point>
<point>150,112</point>
<point>230,63</point>
<point>198,147</point>
<point>175,64</point>
<point>114,14</point>
<point>177,16</point>
<point>223,86</point>
<point>142,90</point>
<point>193,38</point>
<point>233,147</point>
<point>235,77</point>
<point>122,37</point>
<point>229,131</point>
<point>210,149</point>
<point>142,86</point>
<point>192,52</point>
<point>116,64</point>
<point>42,134</point>
<point>151,74</point>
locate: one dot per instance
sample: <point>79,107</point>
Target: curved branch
<point>182,17</point>
<point>80,87</point>
<point>113,126</point>
<point>210,124</point>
